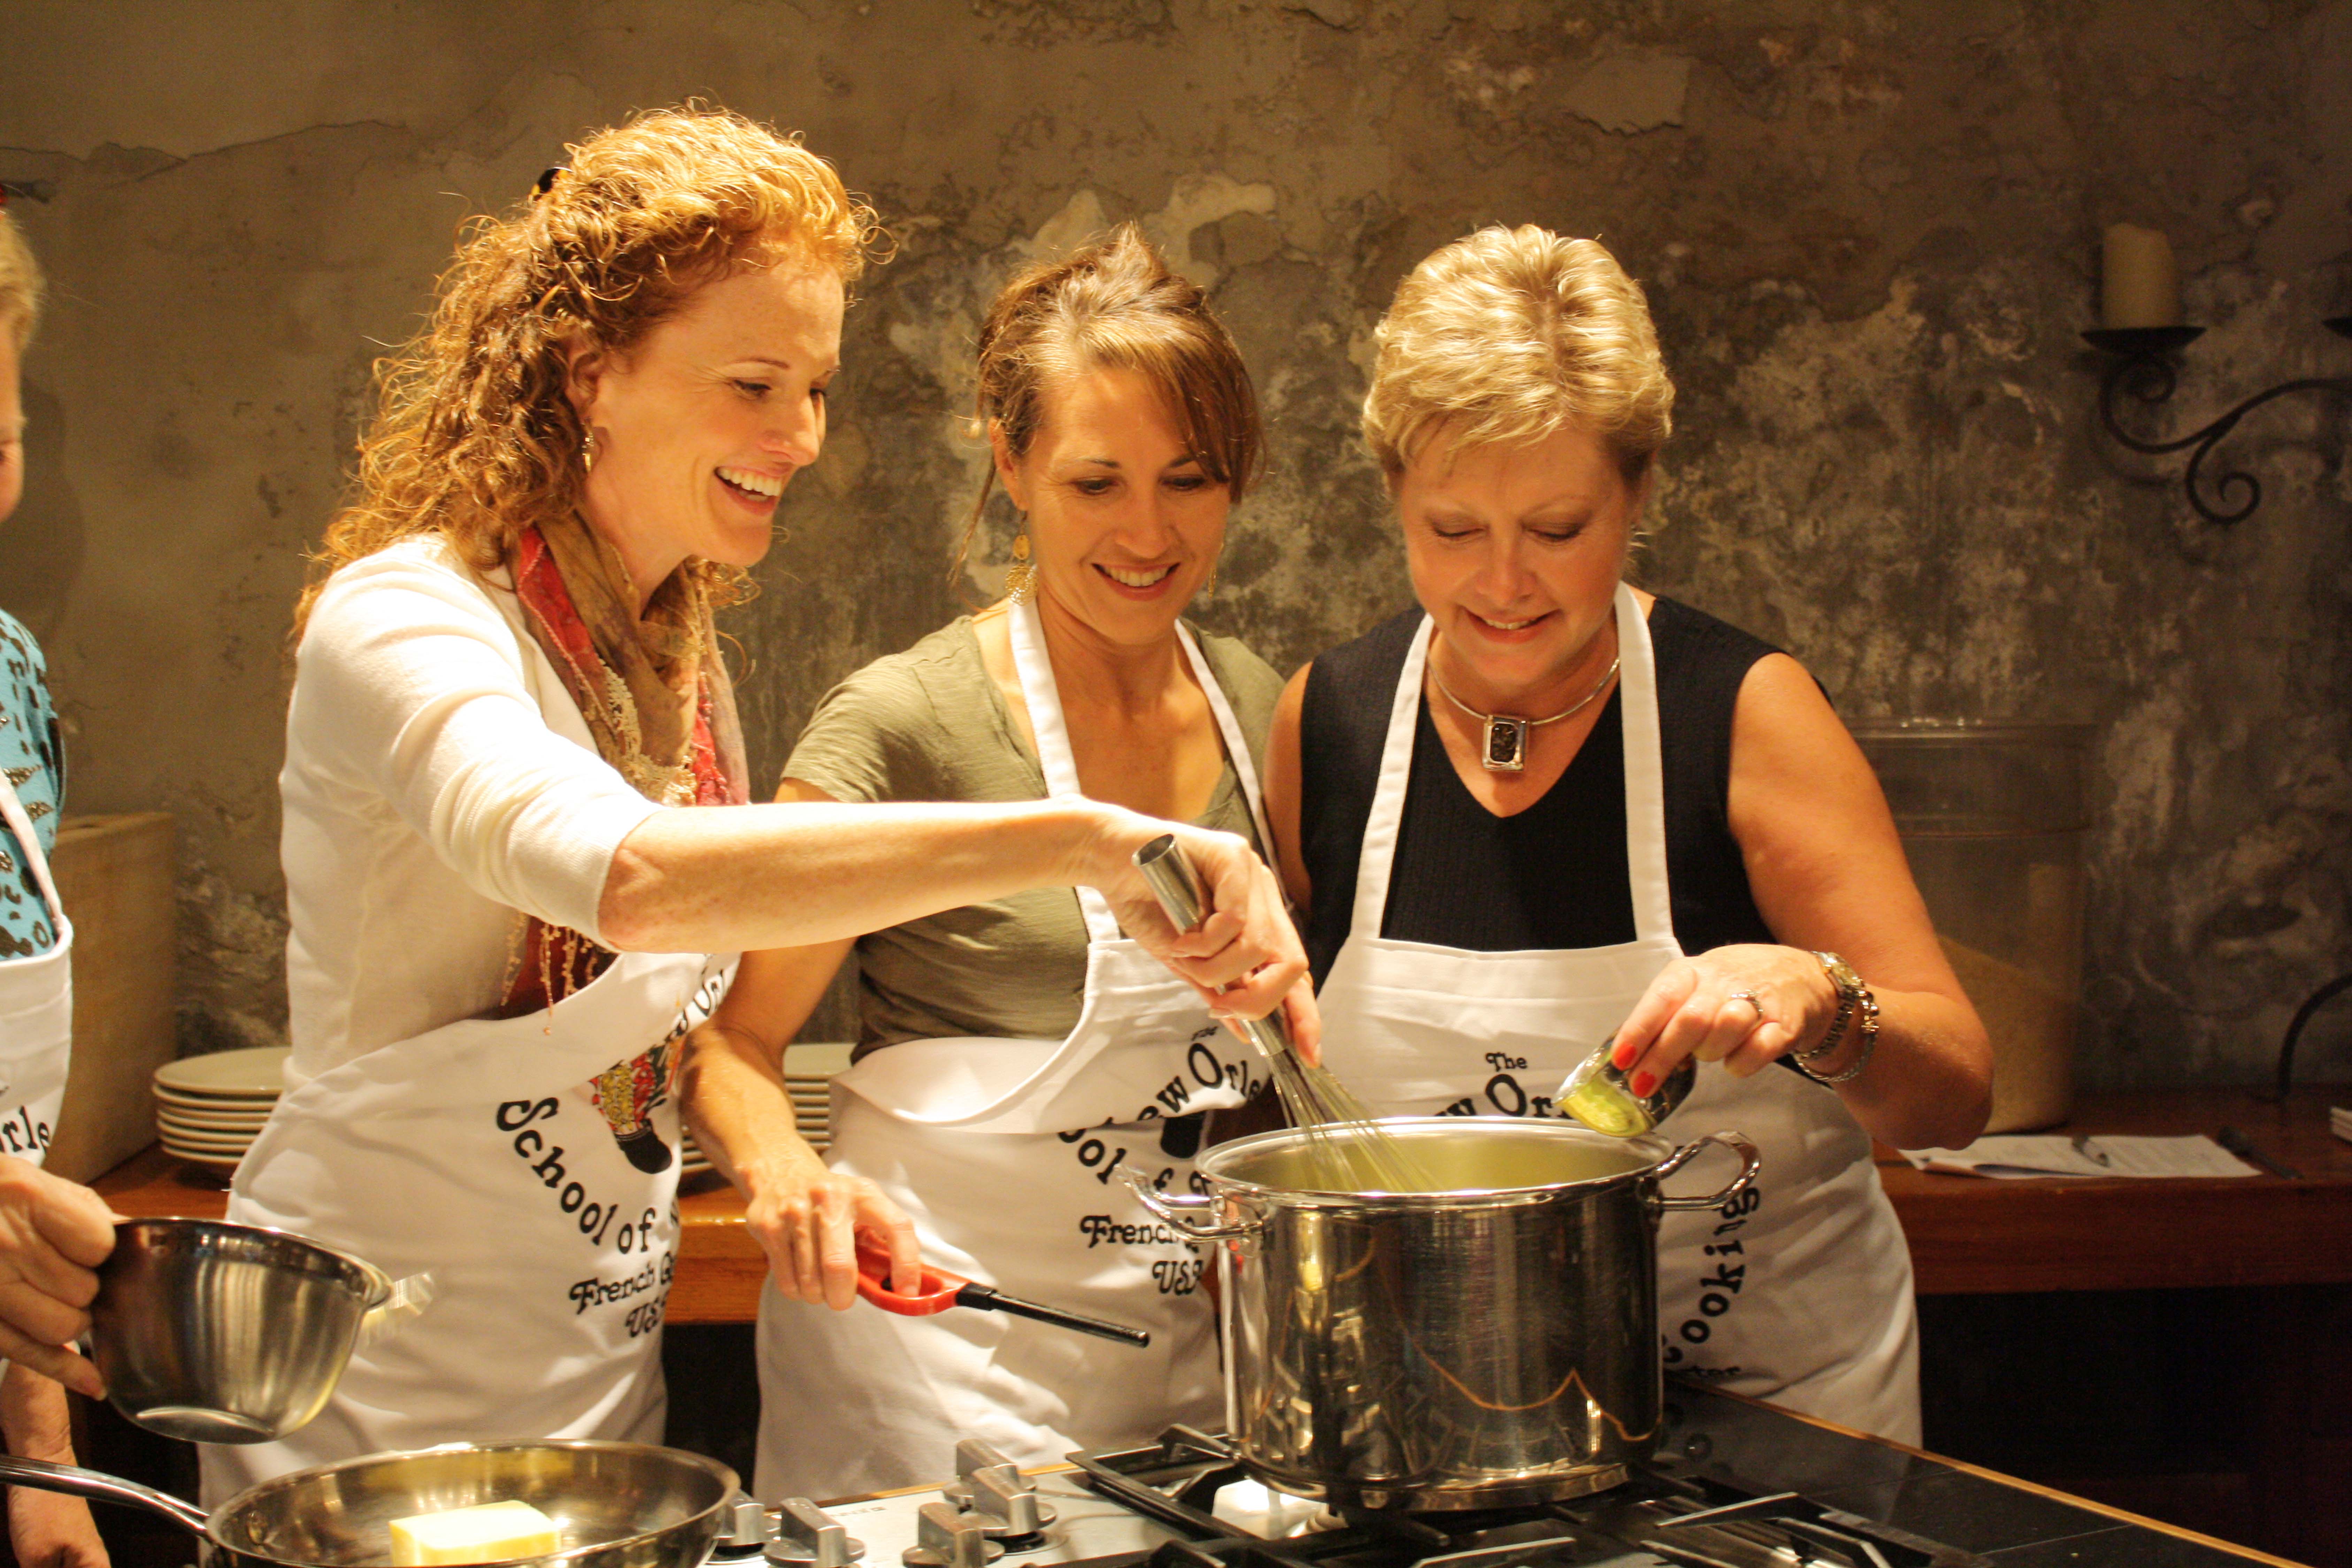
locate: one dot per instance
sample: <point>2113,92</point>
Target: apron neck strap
<point>1043,694</point>
<point>1645,774</point>
<point>20,822</point>
<point>1646,814</point>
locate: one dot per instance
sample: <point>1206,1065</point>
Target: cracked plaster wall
<point>1867,230</point>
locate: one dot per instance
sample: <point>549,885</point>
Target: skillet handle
<point>1183,1213</point>
<point>100,1486</point>
<point>1750,1161</point>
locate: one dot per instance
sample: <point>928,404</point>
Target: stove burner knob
<point>950,1540</point>
<point>991,1487</point>
<point>807,1537</point>
<point>972,1454</point>
<point>1007,1504</point>
<point>745,1535</point>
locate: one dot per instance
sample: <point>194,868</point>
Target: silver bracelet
<point>1867,1015</point>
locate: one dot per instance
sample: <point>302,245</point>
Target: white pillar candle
<point>2139,283</point>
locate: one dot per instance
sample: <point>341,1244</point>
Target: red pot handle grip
<point>937,1293</point>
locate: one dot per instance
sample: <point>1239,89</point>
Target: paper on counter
<point>2027,1156</point>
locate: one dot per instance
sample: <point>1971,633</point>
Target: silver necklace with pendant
<point>1506,747</point>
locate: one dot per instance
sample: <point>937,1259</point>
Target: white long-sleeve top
<point>438,780</point>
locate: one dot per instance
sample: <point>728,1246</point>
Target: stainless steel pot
<point>216,1332</point>
<point>1486,1345</point>
<point>617,1505</point>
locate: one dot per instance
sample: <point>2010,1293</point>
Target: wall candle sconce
<point>2141,331</point>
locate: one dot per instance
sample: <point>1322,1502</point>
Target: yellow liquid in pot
<point>1471,1156</point>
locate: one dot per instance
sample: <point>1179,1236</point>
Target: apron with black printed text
<point>1002,1152</point>
<point>529,1164</point>
<point>1798,1290</point>
<point>35,1010</point>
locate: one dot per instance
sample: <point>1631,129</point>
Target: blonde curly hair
<point>474,438</point>
<point>1509,334</point>
<point>21,287</point>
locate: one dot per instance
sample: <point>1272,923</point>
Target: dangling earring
<point>1021,577</point>
<point>587,451</point>
<point>1209,583</point>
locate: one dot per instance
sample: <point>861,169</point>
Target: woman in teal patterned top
<point>35,762</point>
<point>52,1233</point>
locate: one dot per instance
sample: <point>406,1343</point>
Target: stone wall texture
<point>1868,230</point>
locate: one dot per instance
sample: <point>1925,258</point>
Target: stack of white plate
<point>210,1109</point>
<point>808,1074</point>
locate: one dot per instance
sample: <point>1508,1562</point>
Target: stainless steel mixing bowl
<point>217,1332</point>
<point>615,1505</point>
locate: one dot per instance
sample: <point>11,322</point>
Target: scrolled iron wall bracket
<point>2143,371</point>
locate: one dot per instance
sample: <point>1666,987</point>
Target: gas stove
<point>1733,1485</point>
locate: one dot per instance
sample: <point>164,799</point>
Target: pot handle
<point>406,1297</point>
<point>1184,1213</point>
<point>100,1486</point>
<point>1750,1161</point>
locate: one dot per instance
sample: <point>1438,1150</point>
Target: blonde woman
<point>517,865</point>
<point>1013,1050</point>
<point>52,1233</point>
<point>1544,809</point>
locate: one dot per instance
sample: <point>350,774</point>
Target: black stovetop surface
<point>1860,1502</point>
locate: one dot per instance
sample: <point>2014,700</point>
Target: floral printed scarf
<point>658,703</point>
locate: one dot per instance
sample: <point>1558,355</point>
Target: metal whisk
<point>1351,1146</point>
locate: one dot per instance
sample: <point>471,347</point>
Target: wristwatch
<point>1854,1003</point>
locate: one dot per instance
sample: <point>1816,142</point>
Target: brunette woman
<point>1014,1049</point>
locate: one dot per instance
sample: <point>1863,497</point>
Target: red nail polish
<point>1622,1058</point>
<point>1643,1082</point>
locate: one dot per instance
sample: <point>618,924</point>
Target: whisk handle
<point>1168,872</point>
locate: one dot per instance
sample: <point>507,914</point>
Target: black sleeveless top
<point>1553,876</point>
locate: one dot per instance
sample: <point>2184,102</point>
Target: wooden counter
<point>1968,1234</point>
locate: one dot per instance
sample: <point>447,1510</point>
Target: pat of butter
<point>490,1532</point>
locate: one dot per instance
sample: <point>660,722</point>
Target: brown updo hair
<point>474,437</point>
<point>1115,305</point>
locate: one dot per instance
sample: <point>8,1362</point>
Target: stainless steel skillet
<point>619,1505</point>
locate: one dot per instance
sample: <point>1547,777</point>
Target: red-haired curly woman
<point>519,859</point>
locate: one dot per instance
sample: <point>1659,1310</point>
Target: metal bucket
<point>1485,1345</point>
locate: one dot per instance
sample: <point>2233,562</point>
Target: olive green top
<point>929,725</point>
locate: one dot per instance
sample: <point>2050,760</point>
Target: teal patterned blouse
<point>36,764</point>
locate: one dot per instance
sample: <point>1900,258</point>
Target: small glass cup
<point>1599,1096</point>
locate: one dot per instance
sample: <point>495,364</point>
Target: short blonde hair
<point>1509,334</point>
<point>474,435</point>
<point>21,286</point>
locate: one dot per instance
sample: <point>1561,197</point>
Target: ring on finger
<point>1754,1005</point>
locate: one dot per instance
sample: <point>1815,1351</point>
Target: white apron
<point>1800,1290</point>
<point>484,1152</point>
<point>36,1011</point>
<point>1001,1151</point>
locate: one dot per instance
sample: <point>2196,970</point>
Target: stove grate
<point>1656,1520</point>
